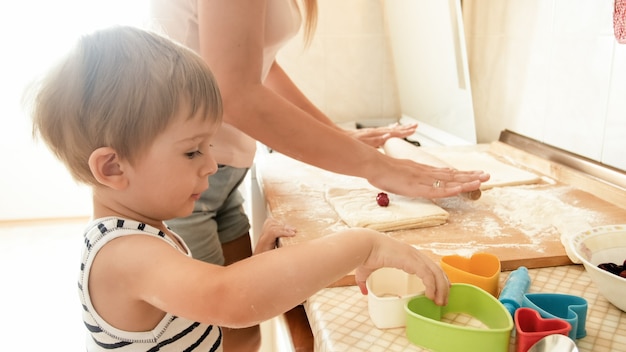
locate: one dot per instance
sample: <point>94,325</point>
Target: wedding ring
<point>436,184</point>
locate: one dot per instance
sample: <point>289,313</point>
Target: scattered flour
<point>533,210</point>
<point>536,211</point>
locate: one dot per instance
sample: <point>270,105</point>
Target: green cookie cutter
<point>425,328</point>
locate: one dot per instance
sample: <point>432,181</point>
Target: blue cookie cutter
<point>572,309</point>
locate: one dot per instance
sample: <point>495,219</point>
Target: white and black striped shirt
<point>171,334</point>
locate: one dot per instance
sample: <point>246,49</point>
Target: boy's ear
<point>107,168</point>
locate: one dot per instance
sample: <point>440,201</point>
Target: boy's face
<point>167,180</point>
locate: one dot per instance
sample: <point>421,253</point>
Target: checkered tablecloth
<point>340,321</point>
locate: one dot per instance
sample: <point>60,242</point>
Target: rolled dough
<point>502,174</point>
<point>358,208</point>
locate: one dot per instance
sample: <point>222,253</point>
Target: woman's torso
<point>178,19</point>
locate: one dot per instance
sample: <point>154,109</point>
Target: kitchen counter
<point>340,322</point>
<point>338,315</point>
<point>520,225</point>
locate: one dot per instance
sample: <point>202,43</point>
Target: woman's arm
<point>231,41</point>
<point>281,83</point>
<point>278,81</point>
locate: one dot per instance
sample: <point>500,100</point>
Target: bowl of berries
<point>602,250</point>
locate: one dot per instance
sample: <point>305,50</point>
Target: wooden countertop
<point>338,315</point>
<point>521,225</point>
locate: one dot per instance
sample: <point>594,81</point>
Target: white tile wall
<point>548,69</point>
<point>347,70</point>
<point>614,148</point>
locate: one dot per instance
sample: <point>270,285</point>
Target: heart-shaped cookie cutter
<point>571,308</point>
<point>481,269</point>
<point>424,325</point>
<point>530,327</point>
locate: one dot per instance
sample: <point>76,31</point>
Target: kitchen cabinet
<point>427,45</point>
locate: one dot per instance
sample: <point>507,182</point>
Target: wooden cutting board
<point>522,225</point>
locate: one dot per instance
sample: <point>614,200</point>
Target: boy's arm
<point>265,285</point>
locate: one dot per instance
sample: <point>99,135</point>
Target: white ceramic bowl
<point>389,290</point>
<point>604,244</point>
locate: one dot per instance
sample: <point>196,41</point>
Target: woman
<point>239,40</point>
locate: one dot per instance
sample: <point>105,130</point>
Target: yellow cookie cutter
<point>482,270</point>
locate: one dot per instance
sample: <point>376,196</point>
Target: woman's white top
<point>178,19</point>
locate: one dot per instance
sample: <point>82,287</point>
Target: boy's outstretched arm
<point>270,283</point>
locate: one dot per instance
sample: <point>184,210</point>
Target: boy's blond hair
<point>119,88</point>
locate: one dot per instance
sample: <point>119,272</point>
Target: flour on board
<point>534,210</point>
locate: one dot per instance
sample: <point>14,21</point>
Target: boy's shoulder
<point>101,231</point>
<point>108,225</point>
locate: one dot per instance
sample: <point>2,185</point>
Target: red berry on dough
<point>382,199</point>
<point>623,274</point>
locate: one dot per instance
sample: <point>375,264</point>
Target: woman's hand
<point>408,178</point>
<point>271,232</point>
<point>377,136</point>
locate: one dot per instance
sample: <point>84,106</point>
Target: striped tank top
<point>171,333</point>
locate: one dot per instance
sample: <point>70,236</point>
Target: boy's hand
<point>388,252</point>
<point>272,230</point>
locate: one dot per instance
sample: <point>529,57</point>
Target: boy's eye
<point>193,154</point>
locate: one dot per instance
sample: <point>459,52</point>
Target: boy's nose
<point>210,166</point>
